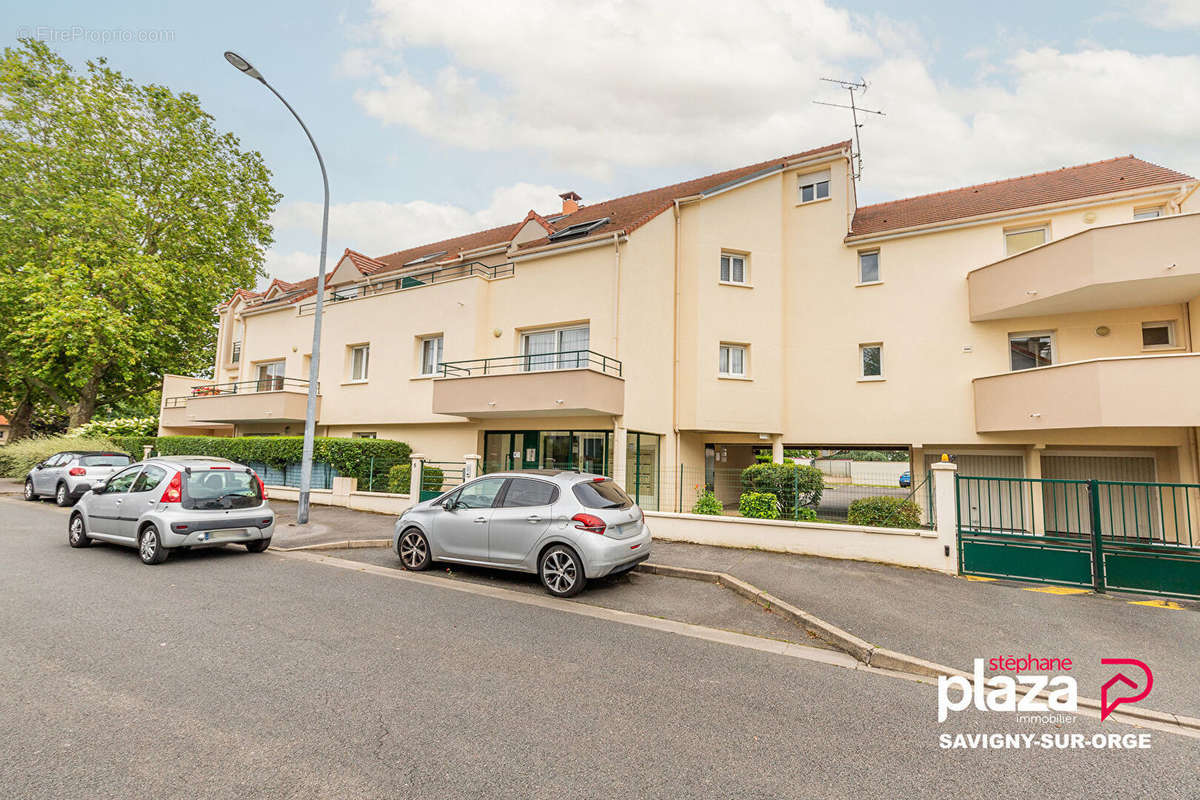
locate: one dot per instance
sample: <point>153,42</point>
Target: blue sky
<point>437,118</point>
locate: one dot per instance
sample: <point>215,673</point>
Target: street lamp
<point>310,414</point>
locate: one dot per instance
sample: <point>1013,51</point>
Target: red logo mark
<point>1107,706</point>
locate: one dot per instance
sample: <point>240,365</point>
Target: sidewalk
<point>327,525</point>
<point>952,621</point>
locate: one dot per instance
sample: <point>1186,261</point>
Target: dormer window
<point>578,229</point>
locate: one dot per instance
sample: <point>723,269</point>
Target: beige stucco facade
<point>946,301</point>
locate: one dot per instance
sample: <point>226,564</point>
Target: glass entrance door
<point>586,451</point>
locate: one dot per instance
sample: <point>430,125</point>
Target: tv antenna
<point>852,87</point>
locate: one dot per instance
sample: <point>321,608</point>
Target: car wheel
<point>62,497</point>
<point>561,571</point>
<point>413,549</point>
<point>258,545</point>
<point>150,546</point>
<point>77,532</point>
<point>30,494</point>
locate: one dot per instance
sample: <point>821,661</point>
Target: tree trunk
<point>20,424</point>
<point>83,408</point>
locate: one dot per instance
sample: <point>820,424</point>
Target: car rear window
<point>212,489</point>
<point>601,494</point>
<point>105,461</point>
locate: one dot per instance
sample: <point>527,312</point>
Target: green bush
<point>707,503</point>
<point>796,486</point>
<point>873,455</point>
<point>806,515</point>
<point>884,512</point>
<point>758,505</point>
<point>134,445</point>
<point>126,426</point>
<point>399,478</point>
<point>351,458</point>
<point>18,458</point>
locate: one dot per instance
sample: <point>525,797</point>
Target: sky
<point>441,118</point>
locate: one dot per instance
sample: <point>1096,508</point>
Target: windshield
<point>213,489</point>
<point>601,494</point>
<point>105,461</point>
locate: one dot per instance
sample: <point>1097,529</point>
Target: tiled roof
<point>366,265</point>
<point>3,420</point>
<point>1064,184</point>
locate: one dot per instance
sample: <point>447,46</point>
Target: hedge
<point>884,512</point>
<point>400,475</point>
<point>134,445</point>
<point>796,486</point>
<point>758,505</point>
<point>351,458</point>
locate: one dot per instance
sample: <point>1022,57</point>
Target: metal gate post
<point>1097,538</point>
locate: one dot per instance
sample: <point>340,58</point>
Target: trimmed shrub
<point>884,512</point>
<point>18,458</point>
<point>351,458</point>
<point>796,486</point>
<point>134,445</point>
<point>806,515</point>
<point>707,503</point>
<point>399,478</point>
<point>126,426</point>
<point>758,505</point>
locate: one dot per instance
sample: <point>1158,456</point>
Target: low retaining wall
<point>379,502</point>
<point>909,548</point>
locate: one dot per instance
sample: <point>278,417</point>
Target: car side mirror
<point>449,505</point>
<point>39,466</point>
<point>100,487</point>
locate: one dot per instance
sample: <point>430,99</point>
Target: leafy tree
<point>126,218</point>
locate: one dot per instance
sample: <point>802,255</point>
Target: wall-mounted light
<point>1103,330</point>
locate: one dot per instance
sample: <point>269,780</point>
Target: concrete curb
<point>347,544</point>
<point>881,657</point>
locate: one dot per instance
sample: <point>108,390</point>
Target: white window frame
<point>814,181</point>
<point>731,256</point>
<point>365,375</point>
<point>270,376</point>
<point>1149,212</point>
<point>558,362</point>
<point>363,435</point>
<point>437,361</point>
<point>862,368</point>
<point>878,267</point>
<point>1044,227</point>
<point>1027,334</point>
<point>725,354</point>
<point>1169,324</point>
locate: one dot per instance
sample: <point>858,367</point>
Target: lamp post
<point>310,414</point>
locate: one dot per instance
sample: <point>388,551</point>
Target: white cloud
<point>1167,14</point>
<point>377,228</point>
<point>633,83</point>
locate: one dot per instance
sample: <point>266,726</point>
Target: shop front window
<point>641,469</point>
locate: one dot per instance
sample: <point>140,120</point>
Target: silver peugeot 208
<point>565,526</point>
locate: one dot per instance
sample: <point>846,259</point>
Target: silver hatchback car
<point>565,526</point>
<point>162,504</point>
<point>67,476</point>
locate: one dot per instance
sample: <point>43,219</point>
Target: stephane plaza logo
<point>1040,691</point>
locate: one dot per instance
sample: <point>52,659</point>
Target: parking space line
<point>1055,590</point>
<point>979,578</point>
<point>1157,604</point>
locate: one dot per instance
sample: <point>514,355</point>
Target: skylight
<point>578,229</point>
<point>424,259</point>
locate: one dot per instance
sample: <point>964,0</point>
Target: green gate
<point>1126,536</point>
<point>439,477</point>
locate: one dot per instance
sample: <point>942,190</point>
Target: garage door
<point>1137,506</point>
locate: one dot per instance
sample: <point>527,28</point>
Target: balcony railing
<point>267,399</point>
<point>274,383</point>
<point>540,362</point>
<point>412,280</point>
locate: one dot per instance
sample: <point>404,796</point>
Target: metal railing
<point>540,362</point>
<point>275,383</point>
<point>412,280</point>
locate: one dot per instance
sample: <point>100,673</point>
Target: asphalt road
<point>225,674</point>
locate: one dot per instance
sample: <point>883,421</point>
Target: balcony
<point>1131,391</point>
<point>1146,263</point>
<point>567,383</point>
<point>273,399</point>
<point>412,280</point>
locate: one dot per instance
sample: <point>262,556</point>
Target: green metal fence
<point>1122,535</point>
<point>438,477</point>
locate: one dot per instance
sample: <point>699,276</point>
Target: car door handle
<point>118,501</point>
<point>534,518</point>
<point>481,519</point>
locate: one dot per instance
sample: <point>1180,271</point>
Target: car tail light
<point>262,487</point>
<point>220,468</point>
<point>589,523</point>
<point>77,471</point>
<point>174,490</point>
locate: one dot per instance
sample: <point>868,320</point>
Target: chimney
<point>570,202</point>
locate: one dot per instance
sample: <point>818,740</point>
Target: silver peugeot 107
<point>182,501</point>
<point>564,526</point>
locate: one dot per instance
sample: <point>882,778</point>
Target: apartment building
<point>1039,326</point>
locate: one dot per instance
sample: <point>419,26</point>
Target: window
<point>269,376</point>
<point>868,266</point>
<point>107,460</point>
<point>120,483</point>
<point>870,359</point>
<point>561,348</point>
<point>601,494</point>
<point>363,435</point>
<point>1018,241</point>
<point>526,492</point>
<point>480,494</point>
<point>220,489</point>
<point>151,476</point>
<point>1153,212</point>
<point>578,229</point>
<point>1029,350</point>
<point>733,268</point>
<point>732,361</point>
<point>814,187</point>
<point>360,358</point>
<point>431,355</point>
<point>1157,335</point>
